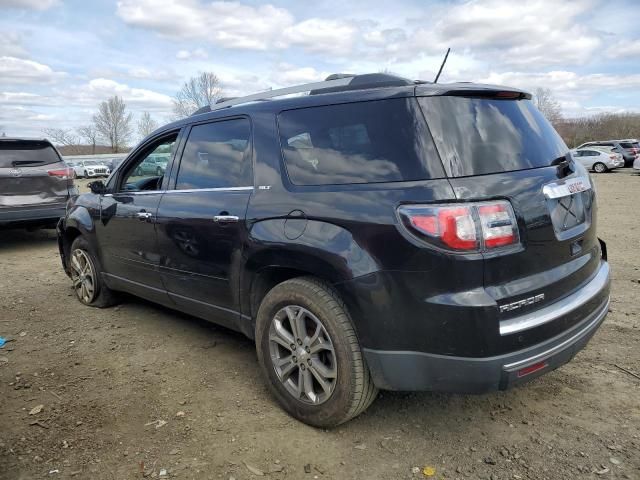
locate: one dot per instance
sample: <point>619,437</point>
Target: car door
<point>200,221</point>
<point>126,232</point>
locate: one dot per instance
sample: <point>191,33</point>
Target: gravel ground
<point>142,391</point>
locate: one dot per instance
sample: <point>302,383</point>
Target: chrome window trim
<point>220,189</point>
<point>557,309</point>
<point>190,190</point>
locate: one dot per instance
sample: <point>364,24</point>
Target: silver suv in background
<point>84,168</point>
<point>597,159</point>
<point>629,148</point>
<point>35,183</point>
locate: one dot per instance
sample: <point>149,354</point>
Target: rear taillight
<point>468,227</point>
<point>62,173</point>
<point>613,157</point>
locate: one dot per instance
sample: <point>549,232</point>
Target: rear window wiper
<point>17,163</point>
<point>564,165</point>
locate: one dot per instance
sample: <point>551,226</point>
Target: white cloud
<point>28,4</point>
<point>527,34</point>
<point>566,82</point>
<point>626,49</point>
<point>286,75</point>
<point>18,71</point>
<point>318,35</point>
<point>21,98</point>
<point>197,54</point>
<point>100,89</point>
<point>11,44</point>
<point>228,24</point>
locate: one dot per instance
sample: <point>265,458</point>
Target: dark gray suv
<point>35,183</point>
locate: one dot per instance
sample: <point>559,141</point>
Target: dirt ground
<point>140,390</point>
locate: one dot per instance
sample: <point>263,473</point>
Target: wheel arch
<point>265,271</point>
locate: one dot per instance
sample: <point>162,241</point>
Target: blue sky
<point>59,59</point>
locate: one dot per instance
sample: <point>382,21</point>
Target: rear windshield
<point>478,136</point>
<point>627,145</point>
<point>364,142</point>
<point>14,154</point>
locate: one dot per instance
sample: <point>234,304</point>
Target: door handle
<point>144,216</point>
<point>226,219</point>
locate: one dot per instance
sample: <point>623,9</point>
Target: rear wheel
<point>310,355</point>
<point>599,167</point>
<point>85,274</point>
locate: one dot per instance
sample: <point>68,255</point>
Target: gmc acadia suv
<point>376,233</point>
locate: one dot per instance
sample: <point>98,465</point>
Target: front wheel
<point>599,168</point>
<point>85,270</point>
<point>310,355</point>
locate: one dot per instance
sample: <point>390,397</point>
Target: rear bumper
<point>36,214</point>
<point>413,371</point>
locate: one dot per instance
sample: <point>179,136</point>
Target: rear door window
<point>26,154</point>
<point>477,136</point>
<point>217,155</point>
<point>363,142</point>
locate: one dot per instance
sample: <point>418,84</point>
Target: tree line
<point>113,124</point>
<point>577,130</point>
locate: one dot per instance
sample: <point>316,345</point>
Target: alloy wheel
<point>302,355</point>
<point>83,276</point>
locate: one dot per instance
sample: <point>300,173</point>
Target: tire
<point>94,292</point>
<point>599,167</point>
<point>332,350</point>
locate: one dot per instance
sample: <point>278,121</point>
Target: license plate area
<point>570,203</point>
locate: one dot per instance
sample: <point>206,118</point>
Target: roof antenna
<point>446,55</point>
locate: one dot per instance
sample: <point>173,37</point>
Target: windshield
<point>16,154</point>
<point>478,136</point>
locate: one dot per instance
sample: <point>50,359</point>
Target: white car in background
<point>89,168</point>
<point>599,160</point>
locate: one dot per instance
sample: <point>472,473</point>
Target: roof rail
<point>281,92</point>
<point>334,83</point>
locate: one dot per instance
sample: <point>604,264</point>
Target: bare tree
<point>89,133</point>
<point>196,93</point>
<point>545,101</point>
<point>61,136</point>
<point>146,125</point>
<point>113,123</point>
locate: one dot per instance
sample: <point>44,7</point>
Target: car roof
<point>368,87</point>
<point>25,140</point>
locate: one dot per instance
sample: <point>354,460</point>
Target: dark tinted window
<point>216,156</point>
<point>377,141</point>
<point>23,154</point>
<point>477,135</point>
<point>626,145</point>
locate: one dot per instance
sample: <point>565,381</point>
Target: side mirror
<point>98,187</point>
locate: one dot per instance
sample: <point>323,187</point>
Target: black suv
<point>376,233</point>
